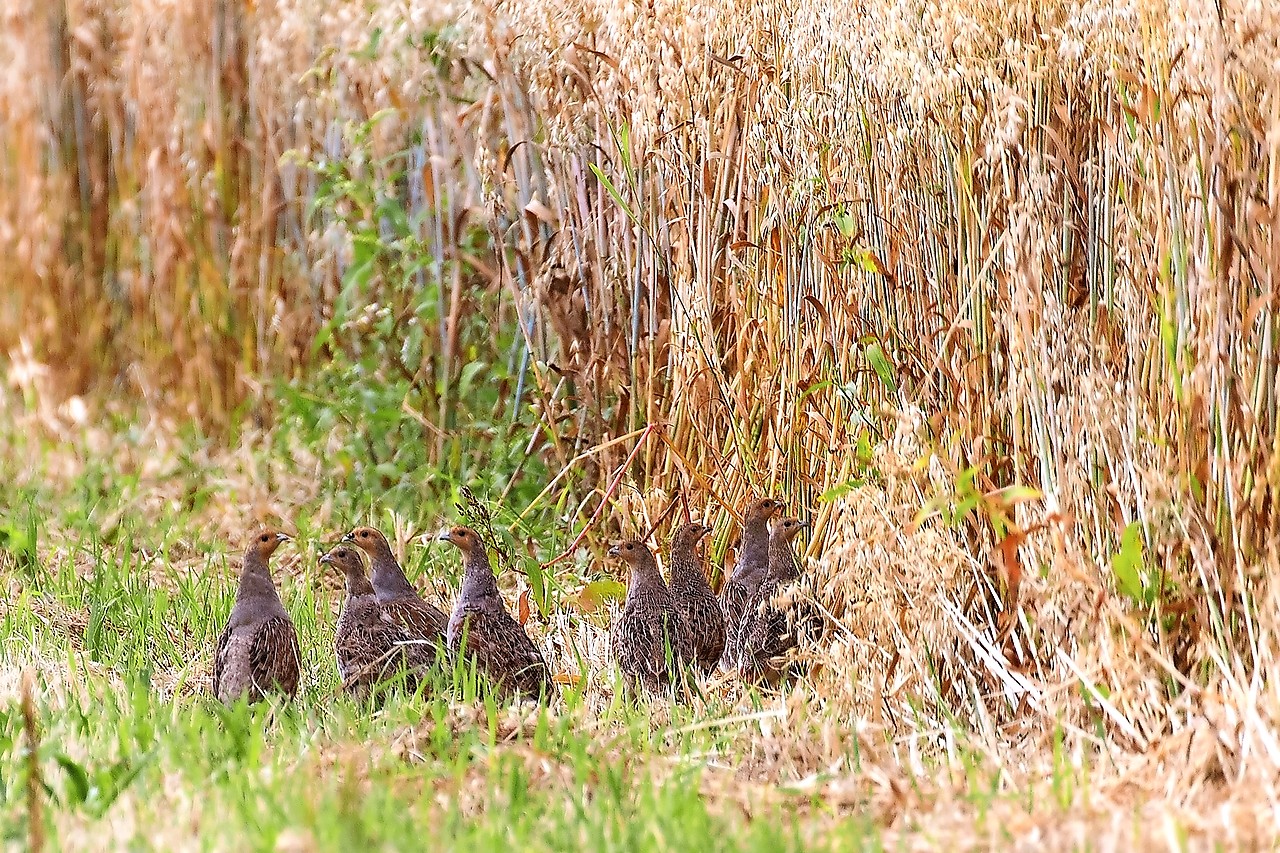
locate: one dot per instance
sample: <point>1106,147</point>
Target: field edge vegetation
<point>984,288</point>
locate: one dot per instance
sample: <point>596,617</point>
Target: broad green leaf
<point>538,589</point>
<point>864,449</point>
<point>1127,564</point>
<point>78,786</point>
<point>880,364</point>
<point>864,259</point>
<point>844,222</point>
<point>596,595</point>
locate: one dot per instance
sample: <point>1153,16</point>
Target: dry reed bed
<point>1056,219</point>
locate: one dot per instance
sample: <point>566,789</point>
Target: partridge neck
<point>358,585</point>
<point>644,575</point>
<point>685,563</point>
<point>478,580</point>
<point>388,577</point>
<point>782,560</point>
<point>753,558</point>
<point>255,580</point>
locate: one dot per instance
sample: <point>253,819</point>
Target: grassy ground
<point>118,566</point>
<point>115,614</point>
<point>119,569</point>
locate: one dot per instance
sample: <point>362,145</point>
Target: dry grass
<point>1055,220</point>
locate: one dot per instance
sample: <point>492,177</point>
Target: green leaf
<point>613,192</point>
<point>77,779</point>
<point>880,364</point>
<point>844,222</point>
<point>863,452</point>
<point>624,146</point>
<point>468,376</point>
<point>538,590</point>
<point>364,253</point>
<point>939,504</point>
<point>121,775</point>
<point>964,507</point>
<point>370,50</point>
<point>838,491</point>
<point>596,595</point>
<point>1127,564</point>
<point>20,542</point>
<point>863,258</point>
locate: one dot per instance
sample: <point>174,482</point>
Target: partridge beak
<point>283,537</point>
<point>327,558</point>
<point>615,551</point>
<point>806,525</point>
<point>348,537</point>
<point>445,536</point>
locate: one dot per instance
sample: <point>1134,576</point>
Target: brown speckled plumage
<point>423,620</point>
<point>650,640</point>
<point>748,574</point>
<point>774,621</point>
<point>258,650</point>
<point>370,646</point>
<point>694,599</point>
<point>482,631</point>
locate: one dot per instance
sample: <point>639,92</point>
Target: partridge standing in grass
<point>258,650</point>
<point>771,626</point>
<point>481,631</point>
<point>650,640</point>
<point>422,620</point>
<point>694,599</point>
<point>748,574</point>
<point>371,647</point>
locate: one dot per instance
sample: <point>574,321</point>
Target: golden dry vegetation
<point>985,286</point>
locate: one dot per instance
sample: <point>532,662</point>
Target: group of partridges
<point>388,635</point>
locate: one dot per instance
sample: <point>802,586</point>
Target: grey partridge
<point>650,640</point>
<point>748,574</point>
<point>423,620</point>
<point>694,599</point>
<point>772,627</point>
<point>482,632</point>
<point>258,650</point>
<point>371,647</point>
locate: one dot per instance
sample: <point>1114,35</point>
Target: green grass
<point>327,771</point>
<point>118,617</point>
